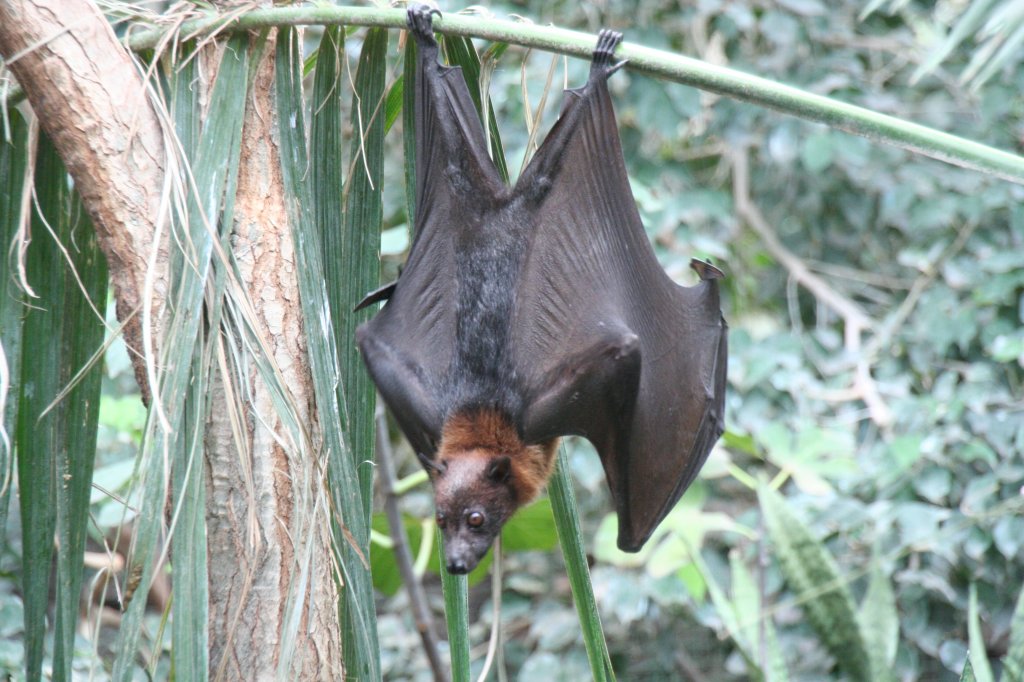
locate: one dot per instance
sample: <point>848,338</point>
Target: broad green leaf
<point>531,528</point>
<point>352,268</point>
<point>409,132</point>
<point>820,589</point>
<point>393,104</point>
<point>757,626</point>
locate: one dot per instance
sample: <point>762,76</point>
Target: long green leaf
<point>13,165</point>
<point>563,505</point>
<point>214,171</point>
<point>965,27</point>
<point>735,624</point>
<point>754,622</point>
<point>82,336</point>
<point>38,438</point>
<point>190,603</point>
<point>814,577</point>
<point>350,257</point>
<point>362,659</point>
<point>1013,662</point>
<point>977,655</point>
<point>360,250</point>
<point>327,165</point>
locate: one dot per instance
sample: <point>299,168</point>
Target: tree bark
<point>266,517</point>
<point>260,524</point>
<point>91,100</point>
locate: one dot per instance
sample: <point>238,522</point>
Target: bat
<point>536,311</point>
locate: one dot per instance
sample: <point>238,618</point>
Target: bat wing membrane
<point>653,412</point>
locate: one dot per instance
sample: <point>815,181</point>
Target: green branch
<point>686,70</point>
<point>674,67</point>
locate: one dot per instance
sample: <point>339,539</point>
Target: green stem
<point>563,505</point>
<point>455,589</point>
<point>686,70</point>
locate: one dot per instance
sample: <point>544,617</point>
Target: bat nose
<point>458,567</point>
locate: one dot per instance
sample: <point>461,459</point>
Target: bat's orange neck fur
<point>487,433</point>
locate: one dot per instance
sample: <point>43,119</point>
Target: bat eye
<point>475,519</point>
<point>440,519</point>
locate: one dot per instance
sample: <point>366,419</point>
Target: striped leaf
<point>814,577</point>
<point>349,217</point>
<point>456,612</point>
<point>879,623</point>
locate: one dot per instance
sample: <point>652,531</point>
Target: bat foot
<point>603,62</point>
<point>420,20</point>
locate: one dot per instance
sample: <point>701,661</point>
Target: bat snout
<point>461,561</point>
<point>459,567</point>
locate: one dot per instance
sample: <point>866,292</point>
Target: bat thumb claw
<point>705,270</point>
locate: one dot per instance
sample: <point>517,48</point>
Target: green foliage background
<point>921,508</point>
<point>895,544</point>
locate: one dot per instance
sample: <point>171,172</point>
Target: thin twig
<point>421,613</point>
<point>689,666</point>
<point>495,640</point>
<point>855,320</point>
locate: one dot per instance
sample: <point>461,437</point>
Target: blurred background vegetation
<point>917,488</point>
<point>875,300</point>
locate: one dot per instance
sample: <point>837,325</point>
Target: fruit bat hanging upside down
<point>531,312</point>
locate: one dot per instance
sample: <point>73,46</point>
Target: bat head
<point>474,499</point>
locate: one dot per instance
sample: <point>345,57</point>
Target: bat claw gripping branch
<point>603,64</point>
<point>420,20</point>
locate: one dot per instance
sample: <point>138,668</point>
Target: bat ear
<point>430,465</point>
<point>499,469</point>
